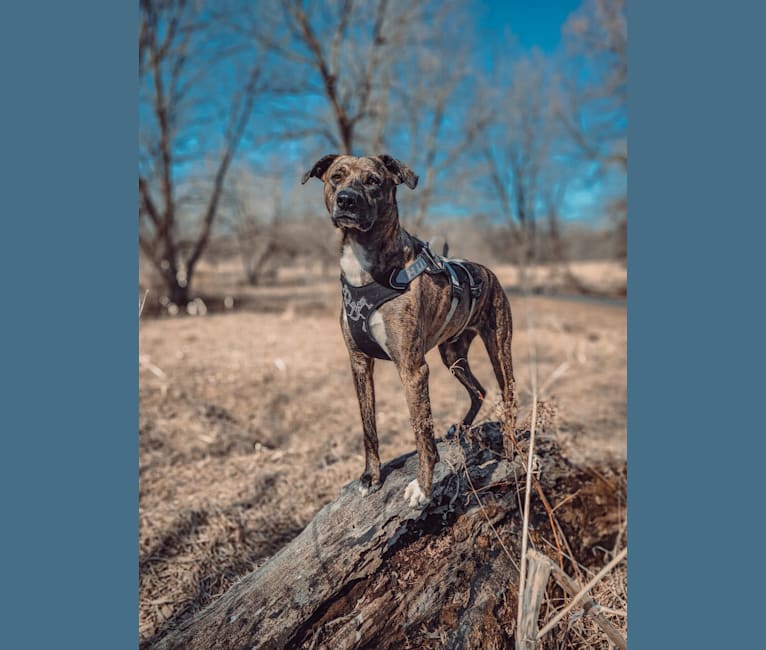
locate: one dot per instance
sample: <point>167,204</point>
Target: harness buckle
<point>435,263</point>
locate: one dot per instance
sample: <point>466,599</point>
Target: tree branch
<point>240,118</point>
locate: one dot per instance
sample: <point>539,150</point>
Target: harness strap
<point>475,291</point>
<point>457,293</point>
<point>360,302</point>
<point>426,261</point>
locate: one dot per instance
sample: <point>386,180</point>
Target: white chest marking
<point>354,264</point>
<point>378,330</point>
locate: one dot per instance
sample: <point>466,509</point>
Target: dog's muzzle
<point>348,200</point>
<point>351,211</point>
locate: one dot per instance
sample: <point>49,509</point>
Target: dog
<point>400,300</point>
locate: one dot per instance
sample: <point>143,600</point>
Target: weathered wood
<point>538,571</point>
<point>373,572</point>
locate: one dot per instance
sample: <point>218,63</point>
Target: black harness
<point>360,302</point>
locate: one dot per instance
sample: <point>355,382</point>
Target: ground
<point>249,424</point>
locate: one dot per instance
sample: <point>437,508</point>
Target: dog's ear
<point>400,172</point>
<point>320,167</point>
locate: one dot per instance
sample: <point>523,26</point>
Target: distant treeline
<point>309,242</point>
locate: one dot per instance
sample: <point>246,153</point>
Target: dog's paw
<point>367,486</point>
<point>415,495</point>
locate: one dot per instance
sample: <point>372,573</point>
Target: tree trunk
<point>373,572</point>
<point>178,294</point>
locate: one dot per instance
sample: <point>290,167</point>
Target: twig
<point>590,606</point>
<point>558,372</point>
<point>456,365</point>
<point>486,516</point>
<point>143,360</point>
<point>530,457</point>
<point>593,582</point>
<point>566,499</point>
<point>558,532</point>
<point>614,612</point>
<point>143,302</point>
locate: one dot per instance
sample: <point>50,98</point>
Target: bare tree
<point>444,108</point>
<point>257,235</point>
<point>255,211</point>
<point>518,149</point>
<point>592,108</point>
<point>336,55</point>
<point>592,103</point>
<point>179,47</point>
<point>371,77</point>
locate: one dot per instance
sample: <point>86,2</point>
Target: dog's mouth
<point>352,221</point>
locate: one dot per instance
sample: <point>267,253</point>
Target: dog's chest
<point>355,265</point>
<point>361,297</point>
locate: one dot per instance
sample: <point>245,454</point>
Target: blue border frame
<point>696,233</point>
<point>69,325</point>
<point>69,263</point>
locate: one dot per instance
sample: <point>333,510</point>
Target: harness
<point>359,303</point>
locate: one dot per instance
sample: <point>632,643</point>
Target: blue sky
<point>535,24</point>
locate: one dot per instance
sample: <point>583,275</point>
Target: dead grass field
<point>249,424</point>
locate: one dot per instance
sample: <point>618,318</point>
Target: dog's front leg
<point>415,379</point>
<point>361,368</point>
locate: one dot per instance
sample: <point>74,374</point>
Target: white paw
<point>415,495</point>
<point>363,490</point>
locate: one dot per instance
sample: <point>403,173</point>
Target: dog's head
<point>358,192</point>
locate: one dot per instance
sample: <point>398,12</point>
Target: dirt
<point>249,425</point>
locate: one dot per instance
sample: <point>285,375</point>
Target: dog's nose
<point>346,199</point>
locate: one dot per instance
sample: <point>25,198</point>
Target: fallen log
<point>373,572</point>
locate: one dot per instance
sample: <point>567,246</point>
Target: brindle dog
<point>360,195</point>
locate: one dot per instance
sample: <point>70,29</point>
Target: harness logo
<point>354,307</point>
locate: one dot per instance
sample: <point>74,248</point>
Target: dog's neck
<point>372,255</point>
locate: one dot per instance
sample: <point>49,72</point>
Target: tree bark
<point>179,295</point>
<point>373,572</point>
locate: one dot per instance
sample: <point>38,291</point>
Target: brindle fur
<point>413,319</point>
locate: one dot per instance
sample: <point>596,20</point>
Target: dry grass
<point>601,276</point>
<point>577,631</point>
<point>249,425</point>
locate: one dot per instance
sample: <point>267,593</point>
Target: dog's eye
<point>337,177</point>
<point>373,180</point>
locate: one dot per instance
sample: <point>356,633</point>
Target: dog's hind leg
<point>455,356</point>
<point>361,369</point>
<point>496,331</point>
